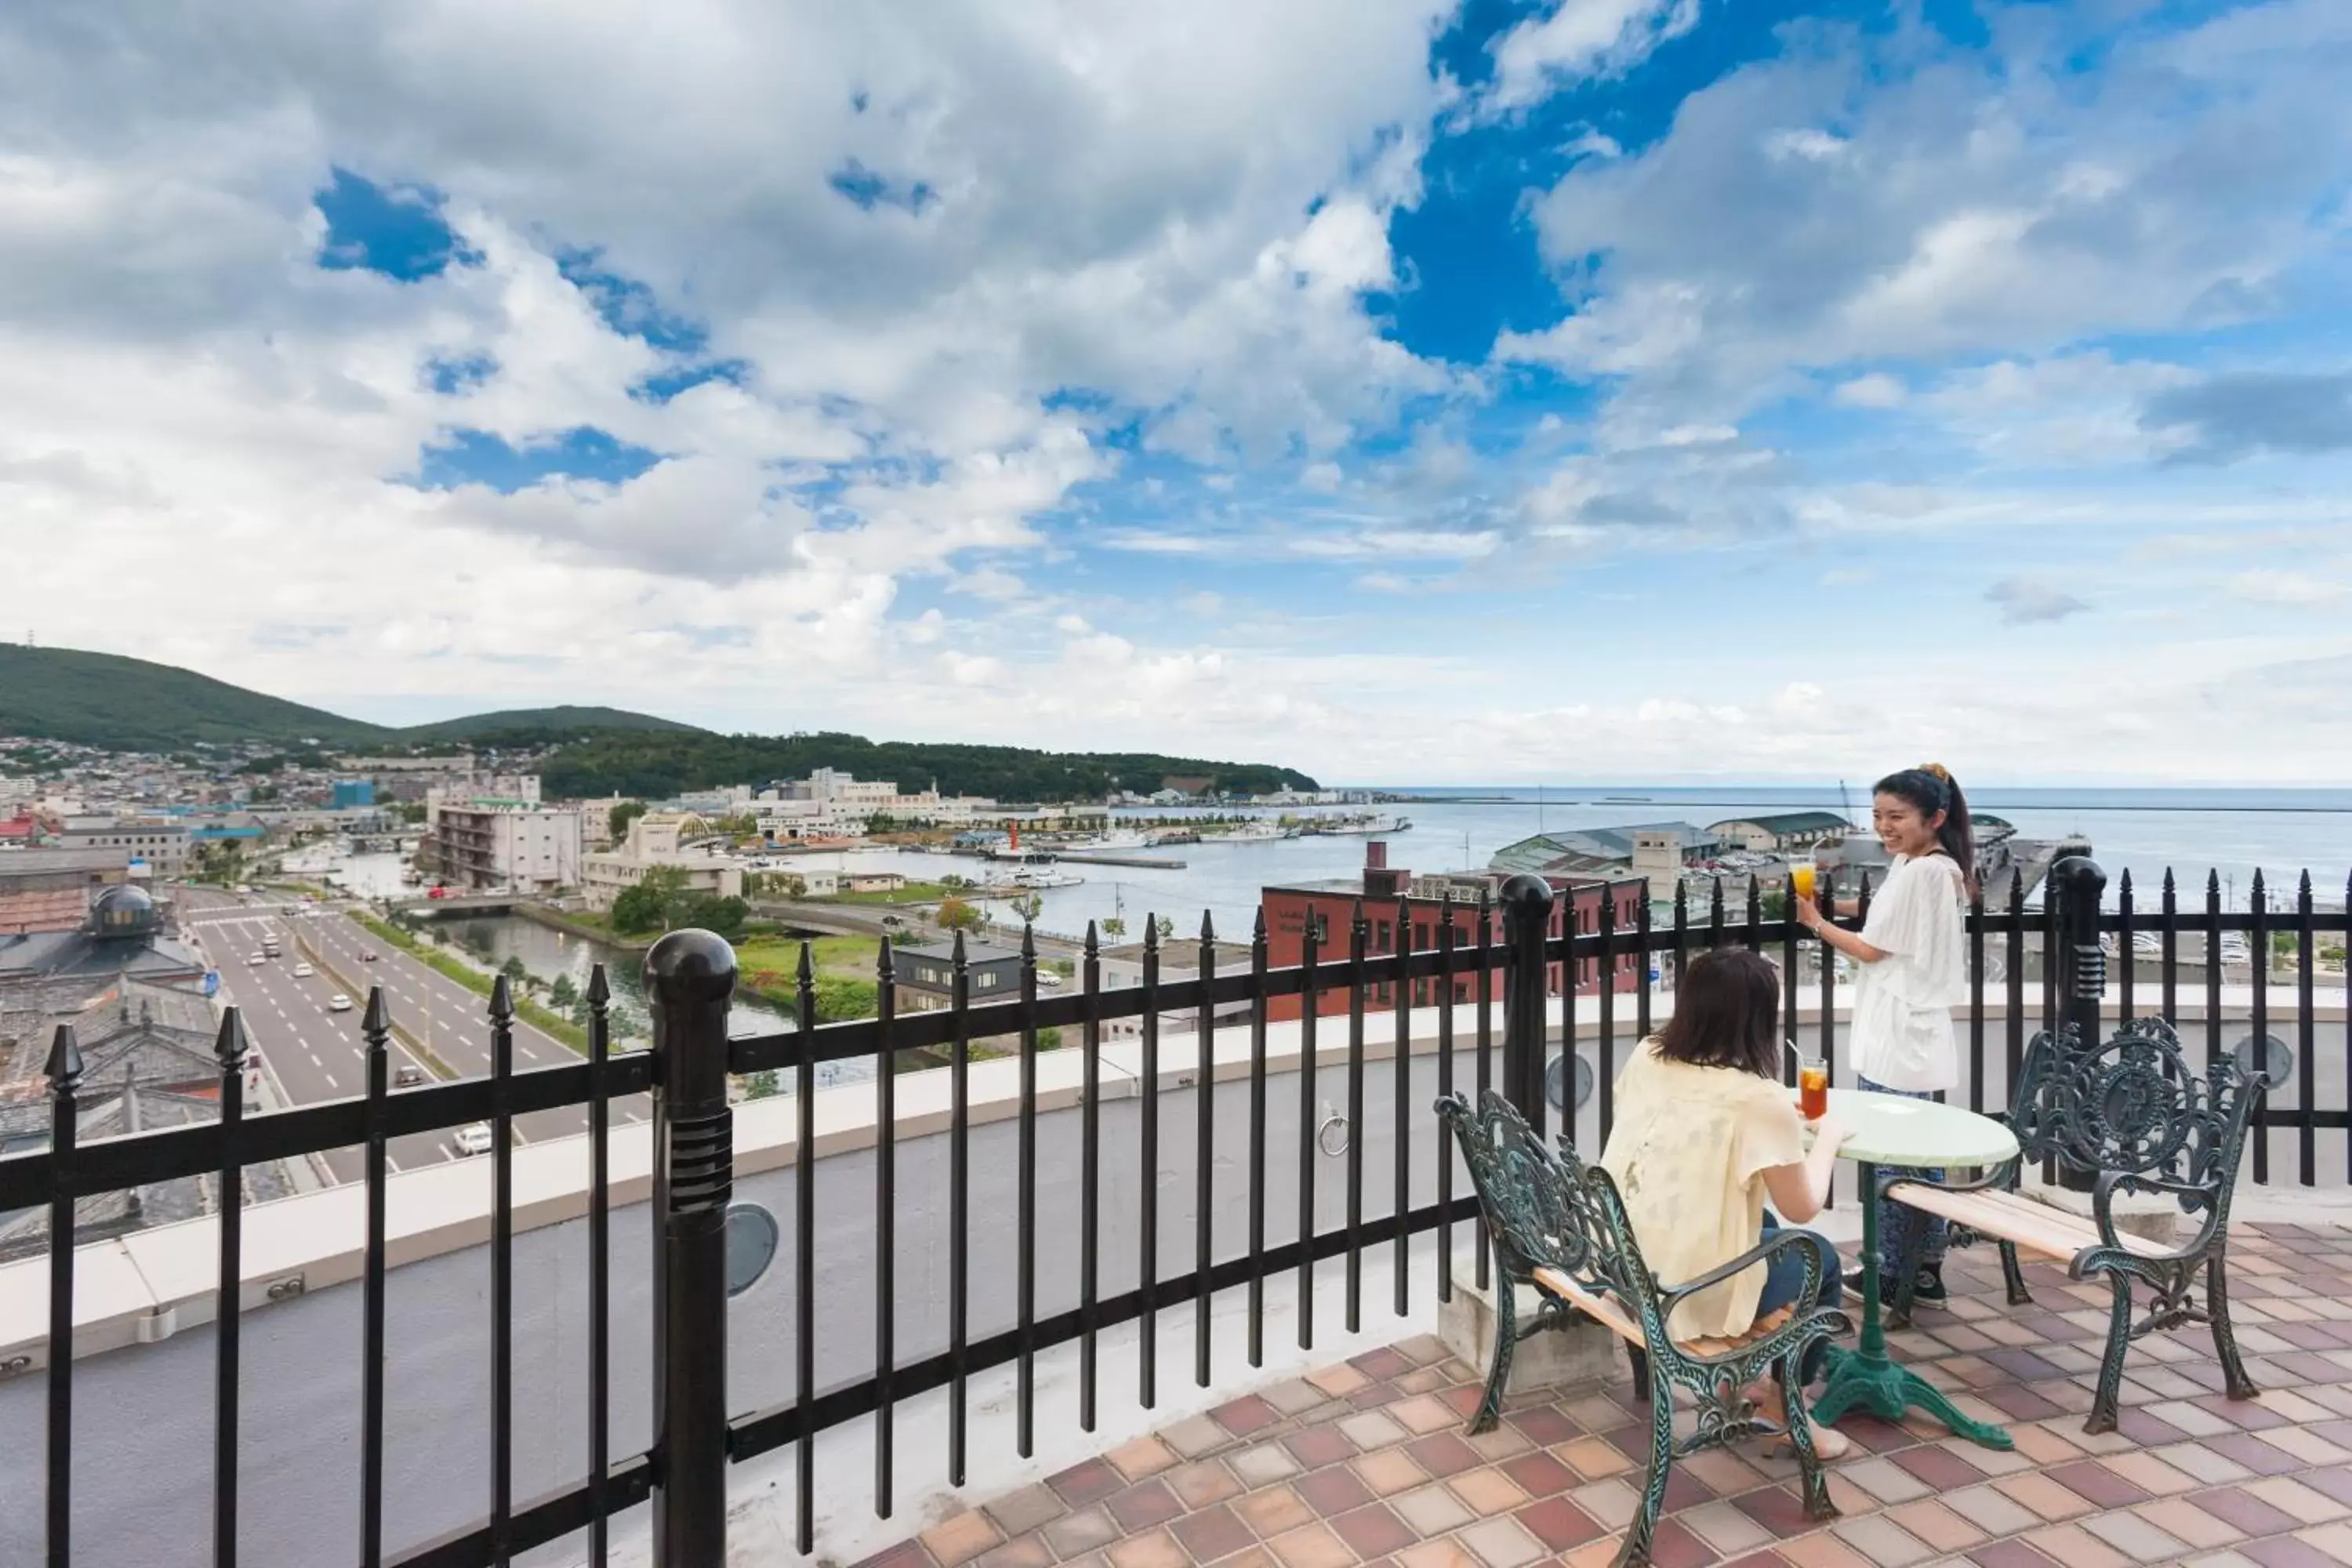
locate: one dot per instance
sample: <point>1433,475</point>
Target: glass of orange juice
<point>1800,876</point>
<point>1812,1087</point>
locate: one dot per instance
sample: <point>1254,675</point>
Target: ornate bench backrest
<point>1547,1209</point>
<point>2133,1105</point>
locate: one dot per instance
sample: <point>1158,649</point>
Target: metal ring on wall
<point>1331,1119</point>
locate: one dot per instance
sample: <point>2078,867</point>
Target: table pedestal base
<point>1860,1380</point>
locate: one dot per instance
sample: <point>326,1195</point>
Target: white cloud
<point>2027,601</point>
<point>1178,212</point>
<point>2000,203</point>
<point>2299,589</point>
<point>1582,39</point>
<point>1876,390</point>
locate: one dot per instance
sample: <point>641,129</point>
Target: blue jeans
<point>1897,1221</point>
<point>1784,1281</point>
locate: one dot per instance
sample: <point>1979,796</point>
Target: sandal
<point>1829,1443</point>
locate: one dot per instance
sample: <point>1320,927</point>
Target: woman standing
<point>1911,951</point>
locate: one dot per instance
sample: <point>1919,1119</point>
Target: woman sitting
<point>1705,1130</point>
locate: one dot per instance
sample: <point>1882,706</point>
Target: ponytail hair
<point>1931,788</point>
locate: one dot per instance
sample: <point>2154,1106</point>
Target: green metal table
<point>1889,1130</point>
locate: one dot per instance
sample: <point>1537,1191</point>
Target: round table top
<point>1891,1129</point>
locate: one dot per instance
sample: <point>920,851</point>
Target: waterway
<point>2229,833</point>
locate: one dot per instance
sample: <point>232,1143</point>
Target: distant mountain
<point>131,704</point>
<point>517,726</point>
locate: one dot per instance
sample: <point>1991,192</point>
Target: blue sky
<point>1503,390</point>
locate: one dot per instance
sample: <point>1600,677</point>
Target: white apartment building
<point>163,845</point>
<point>508,844</point>
<point>653,841</point>
<point>855,800</point>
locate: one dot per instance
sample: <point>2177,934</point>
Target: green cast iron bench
<point>2134,1112</point>
<point>1559,1226</point>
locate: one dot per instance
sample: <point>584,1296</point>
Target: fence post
<point>1526,902</point>
<point>689,976</point>
<point>2078,885</point>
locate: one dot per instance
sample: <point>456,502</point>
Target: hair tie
<point>1938,769</point>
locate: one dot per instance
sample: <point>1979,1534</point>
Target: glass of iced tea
<point>1812,1087</point>
<point>1800,876</point>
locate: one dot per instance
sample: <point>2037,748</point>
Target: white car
<point>303,972</point>
<point>338,1003</point>
<point>256,960</point>
<point>473,1139</point>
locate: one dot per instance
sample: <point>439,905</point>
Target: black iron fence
<point>2051,964</point>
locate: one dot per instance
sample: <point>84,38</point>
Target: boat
<point>1259,832</point>
<point>1371,827</point>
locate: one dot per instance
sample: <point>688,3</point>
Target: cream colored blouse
<point>1688,1152</point>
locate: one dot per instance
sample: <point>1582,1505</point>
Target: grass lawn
<point>912,893</point>
<point>850,957</point>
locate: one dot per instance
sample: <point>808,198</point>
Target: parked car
<point>473,1139</point>
<point>303,972</point>
<point>338,1003</point>
<point>407,1075</point>
<point>436,892</point>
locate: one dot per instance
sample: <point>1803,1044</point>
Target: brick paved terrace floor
<point>1366,1462</point>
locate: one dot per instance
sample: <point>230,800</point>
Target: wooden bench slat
<point>1605,1311</point>
<point>2007,1217</point>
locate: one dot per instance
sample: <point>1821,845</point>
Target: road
<point>316,1055</point>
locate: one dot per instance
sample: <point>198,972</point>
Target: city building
<point>832,803</point>
<point>123,934</point>
<point>508,845</point>
<point>923,977</point>
<point>161,847</point>
<point>51,889</point>
<point>653,840</point>
<point>350,793</point>
<point>1392,897</point>
<point>1782,831</point>
<point>1638,849</point>
<point>1180,959</point>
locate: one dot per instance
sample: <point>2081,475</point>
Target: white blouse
<point>1903,1003</point>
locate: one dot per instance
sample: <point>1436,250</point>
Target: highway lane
<point>312,1053</point>
<point>451,1021</point>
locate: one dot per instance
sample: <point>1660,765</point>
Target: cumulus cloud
<point>874,248</point>
<point>1581,39</point>
<point>1970,203</point>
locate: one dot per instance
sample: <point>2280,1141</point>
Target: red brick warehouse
<point>1392,896</point>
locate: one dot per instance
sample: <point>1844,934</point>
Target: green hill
<point>131,704</point>
<point>520,726</point>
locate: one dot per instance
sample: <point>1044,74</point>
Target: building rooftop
<point>1593,844</point>
<point>1787,822</point>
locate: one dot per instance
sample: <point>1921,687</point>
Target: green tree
<point>515,970</point>
<point>622,815</point>
<point>563,995</point>
<point>1049,1039</point>
<point>763,1085</point>
<point>638,908</point>
<point>713,913</point>
<point>1114,928</point>
<point>1029,905</point>
<point>957,915</point>
<point>1167,927</point>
